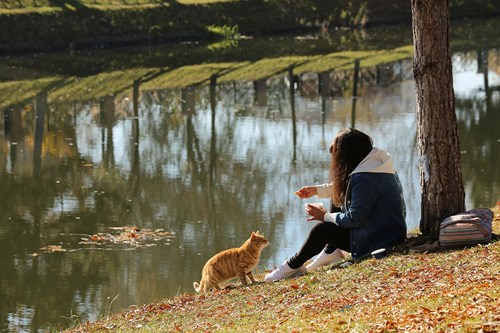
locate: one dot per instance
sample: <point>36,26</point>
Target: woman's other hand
<point>316,211</point>
<point>306,192</point>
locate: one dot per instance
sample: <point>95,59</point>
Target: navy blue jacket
<point>374,212</point>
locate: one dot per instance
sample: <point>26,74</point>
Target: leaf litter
<point>125,237</point>
<point>133,236</point>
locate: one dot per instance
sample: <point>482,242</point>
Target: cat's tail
<point>197,287</point>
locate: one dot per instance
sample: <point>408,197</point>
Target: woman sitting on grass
<point>366,188</point>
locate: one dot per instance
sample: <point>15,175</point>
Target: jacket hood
<point>377,161</point>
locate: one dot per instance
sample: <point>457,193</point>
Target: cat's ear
<point>253,234</point>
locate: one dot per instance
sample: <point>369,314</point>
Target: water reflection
<point>210,162</point>
<point>478,114</point>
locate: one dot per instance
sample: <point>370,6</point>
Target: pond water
<point>197,169</point>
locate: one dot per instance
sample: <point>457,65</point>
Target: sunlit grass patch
<point>17,92</point>
<point>387,56</point>
<point>188,76</point>
<point>99,85</point>
<point>326,63</point>
<point>262,69</point>
<point>345,60</point>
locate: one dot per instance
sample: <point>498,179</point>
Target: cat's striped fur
<point>232,263</point>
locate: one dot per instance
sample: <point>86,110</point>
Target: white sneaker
<point>284,271</point>
<point>326,259</point>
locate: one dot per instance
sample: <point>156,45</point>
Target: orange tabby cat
<point>231,263</point>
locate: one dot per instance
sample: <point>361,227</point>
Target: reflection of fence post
<point>291,79</point>
<point>292,105</point>
<point>324,90</point>
<point>134,172</point>
<point>40,111</point>
<point>107,112</point>
<point>6,121</point>
<point>353,113</point>
<point>213,137</point>
<point>213,81</point>
<point>324,84</point>
<point>13,122</point>
<point>485,69</point>
<point>135,123</point>
<point>480,61</point>
<point>356,79</point>
<point>355,93</point>
<point>135,97</point>
<point>188,100</point>
<point>260,87</point>
<point>13,129</point>
<point>213,87</point>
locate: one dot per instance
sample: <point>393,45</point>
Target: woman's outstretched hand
<point>306,192</point>
<point>316,211</point>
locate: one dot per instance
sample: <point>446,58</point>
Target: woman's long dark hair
<point>348,149</point>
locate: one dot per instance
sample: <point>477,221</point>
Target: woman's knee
<point>324,227</point>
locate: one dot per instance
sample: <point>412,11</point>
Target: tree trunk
<point>440,172</point>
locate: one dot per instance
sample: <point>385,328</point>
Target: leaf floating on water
<point>52,249</point>
<point>128,235</point>
<point>96,238</point>
<point>124,238</point>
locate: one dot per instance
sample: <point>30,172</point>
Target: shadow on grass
<point>411,245</point>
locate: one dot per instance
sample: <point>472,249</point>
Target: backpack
<point>469,228</point>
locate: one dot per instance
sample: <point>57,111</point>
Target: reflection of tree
<point>107,115</point>
<point>478,116</point>
<point>41,109</point>
<point>292,79</point>
<point>478,121</point>
<point>133,188</point>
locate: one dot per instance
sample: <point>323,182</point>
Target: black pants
<point>324,235</point>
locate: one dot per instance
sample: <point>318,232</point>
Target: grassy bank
<point>452,291</point>
<point>81,23</point>
<point>49,25</point>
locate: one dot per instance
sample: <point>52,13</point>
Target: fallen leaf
<point>53,248</point>
<point>314,278</point>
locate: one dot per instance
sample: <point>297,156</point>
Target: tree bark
<point>440,171</point>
